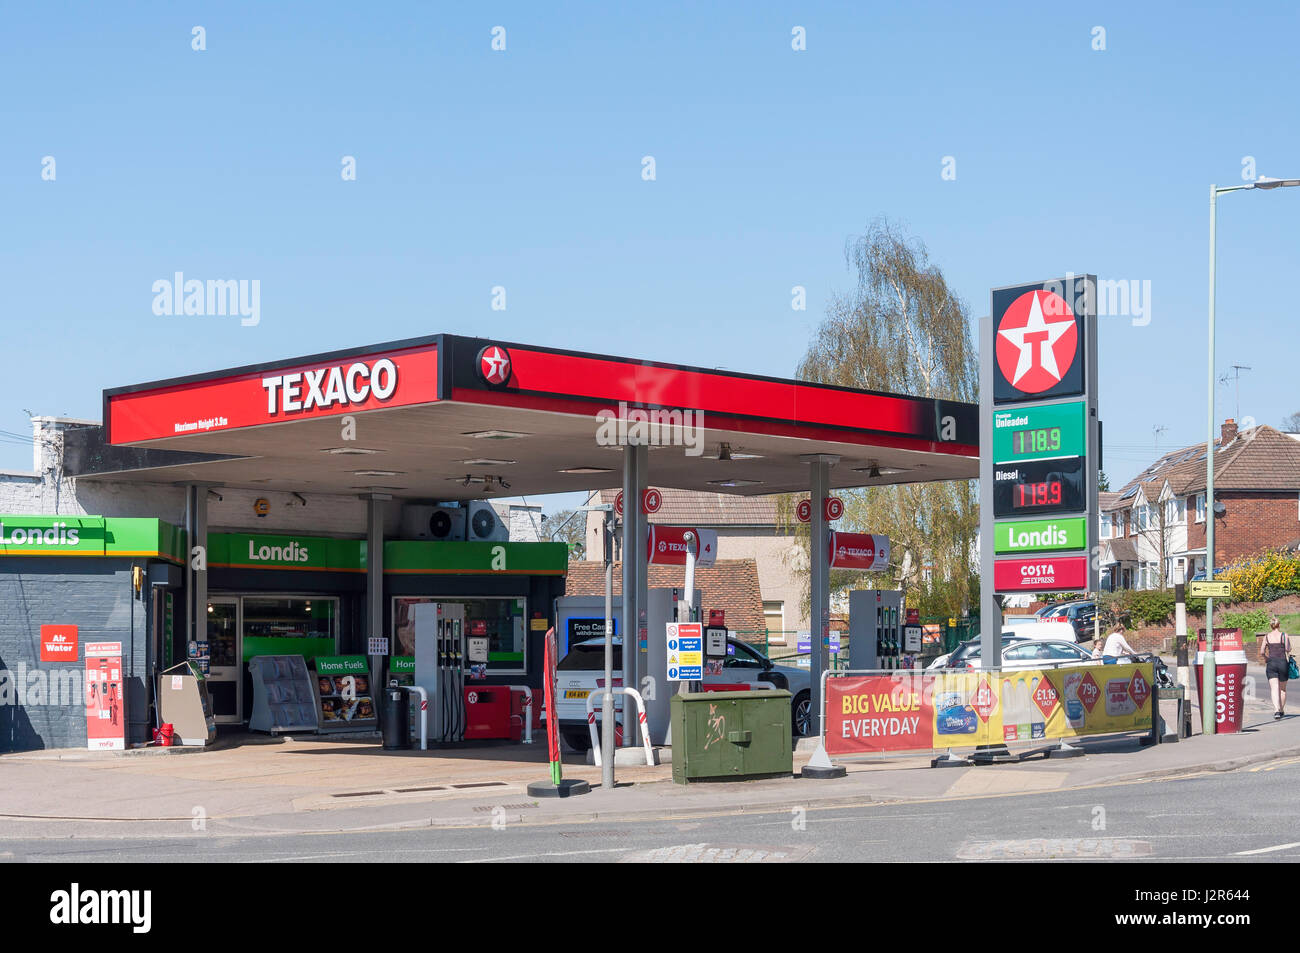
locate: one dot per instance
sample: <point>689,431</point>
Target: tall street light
<point>1207,669</point>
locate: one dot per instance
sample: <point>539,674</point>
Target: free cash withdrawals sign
<point>1039,438</point>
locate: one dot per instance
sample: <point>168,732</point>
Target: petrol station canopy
<point>449,417</point>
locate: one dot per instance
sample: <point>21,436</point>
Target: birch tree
<point>901,329</point>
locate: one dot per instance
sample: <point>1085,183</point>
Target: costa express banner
<point>914,711</point>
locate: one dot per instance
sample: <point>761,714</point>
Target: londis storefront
<point>102,579</point>
<point>68,583</point>
<point>305,595</point>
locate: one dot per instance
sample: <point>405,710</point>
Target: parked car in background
<point>1053,653</point>
<point>1081,616</point>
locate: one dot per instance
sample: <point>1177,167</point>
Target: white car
<point>1051,653</point>
<point>1038,632</point>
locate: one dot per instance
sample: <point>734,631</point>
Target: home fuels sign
<point>1039,438</point>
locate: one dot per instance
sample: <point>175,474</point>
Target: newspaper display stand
<point>284,696</point>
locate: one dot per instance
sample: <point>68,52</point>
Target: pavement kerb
<point>573,812</point>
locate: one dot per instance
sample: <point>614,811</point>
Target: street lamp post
<point>1207,669</point>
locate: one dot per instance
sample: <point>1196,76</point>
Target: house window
<point>1200,507</point>
<point>1142,517</point>
<point>774,619</point>
<point>1105,526</point>
<point>1175,511</point>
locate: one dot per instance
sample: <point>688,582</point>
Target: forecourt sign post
<point>1040,445</point>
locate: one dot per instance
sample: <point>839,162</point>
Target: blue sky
<point>522,169</point>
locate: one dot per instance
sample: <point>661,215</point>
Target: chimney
<point>1228,432</point>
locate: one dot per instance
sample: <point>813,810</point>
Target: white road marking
<point>1266,850</point>
<point>551,853</point>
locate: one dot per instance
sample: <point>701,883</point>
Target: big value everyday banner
<point>910,711</point>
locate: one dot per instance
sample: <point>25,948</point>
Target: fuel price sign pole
<point>1040,446</point>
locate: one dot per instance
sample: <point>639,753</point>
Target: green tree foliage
<point>903,330</point>
<point>567,526</point>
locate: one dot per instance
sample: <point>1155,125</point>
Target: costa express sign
<point>866,551</point>
<point>1040,573</point>
<point>346,385</point>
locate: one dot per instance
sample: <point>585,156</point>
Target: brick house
<point>730,584</point>
<point>1153,528</point>
<point>748,528</point>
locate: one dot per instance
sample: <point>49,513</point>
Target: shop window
<point>502,619</point>
<point>290,625</point>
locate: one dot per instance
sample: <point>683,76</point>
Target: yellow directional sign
<point>1218,590</point>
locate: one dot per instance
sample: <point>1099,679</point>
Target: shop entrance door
<point>225,682</point>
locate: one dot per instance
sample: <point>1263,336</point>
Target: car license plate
<point>573,693</point>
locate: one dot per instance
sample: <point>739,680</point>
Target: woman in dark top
<point>1275,649</point>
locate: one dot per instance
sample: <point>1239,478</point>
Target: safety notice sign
<point>685,651</point>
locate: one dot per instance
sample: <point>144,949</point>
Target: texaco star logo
<point>1036,341</point>
<point>494,365</point>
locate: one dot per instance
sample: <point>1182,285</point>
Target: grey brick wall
<point>96,596</point>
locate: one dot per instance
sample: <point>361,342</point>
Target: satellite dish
<point>1219,508</point>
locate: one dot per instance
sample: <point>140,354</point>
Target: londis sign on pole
<point>1039,441</point>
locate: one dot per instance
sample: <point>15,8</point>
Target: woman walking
<point>1275,652</point>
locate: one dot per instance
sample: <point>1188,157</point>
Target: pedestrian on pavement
<point>1097,643</point>
<point>1275,652</point>
<point>1116,644</point>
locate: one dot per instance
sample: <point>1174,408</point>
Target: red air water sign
<point>348,385</point>
<point>58,643</point>
<point>866,551</point>
<point>1040,572</point>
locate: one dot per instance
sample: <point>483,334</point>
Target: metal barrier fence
<point>782,645</point>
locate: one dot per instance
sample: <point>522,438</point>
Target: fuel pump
<point>875,628</point>
<point>440,666</point>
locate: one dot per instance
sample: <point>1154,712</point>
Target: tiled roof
<point>1121,550</point>
<point>705,510</point>
<point>730,584</point>
<point>1260,458</point>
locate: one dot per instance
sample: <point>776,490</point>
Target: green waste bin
<point>731,736</point>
